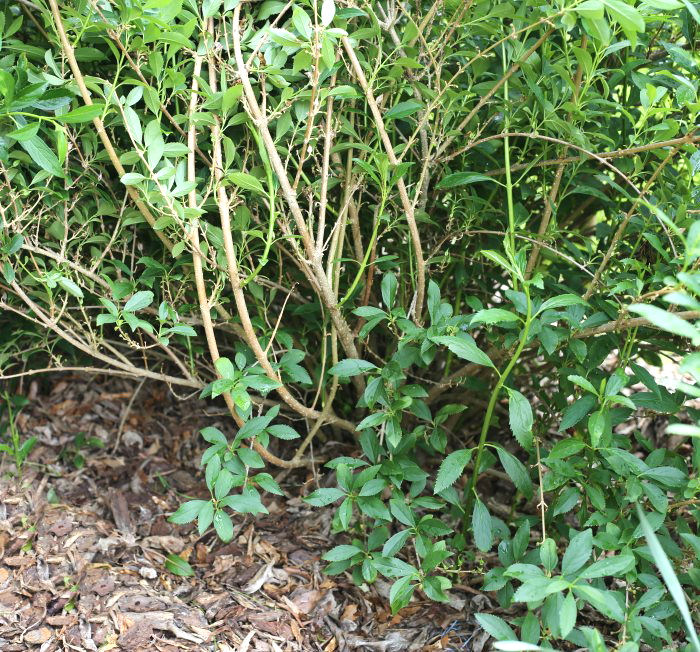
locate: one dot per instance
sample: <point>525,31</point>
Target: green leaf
<point>577,411</point>
<point>83,113</point>
<point>629,18</point>
<point>340,553</point>
<point>283,431</point>
<point>402,110</point>
<point>323,497</point>
<point>516,471</point>
<point>139,301</point>
<point>187,512</point>
<point>213,435</point>
<point>577,553</point>
<point>246,181</point>
<point>567,615</point>
<point>593,9</point>
<point>481,525</point>
<point>535,589</point>
<point>464,347</point>
<point>400,593</point>
<point>223,525</point>
<point>561,301</point>
<point>351,367</point>
<point>462,179</point>
<point>71,287</point>
<point>583,383</point>
<point>609,567</point>
<point>497,627</point>
<point>520,418</point>
<point>15,244</point>
<point>395,543</point>
<point>25,133</point>
<point>40,153</point>
<point>178,566</point>
<point>603,601</point>
<point>669,576</point>
<point>667,321</point>
<point>494,316</point>
<point>246,503</point>
<point>451,469</point>
<point>389,287</point>
<point>210,7</point>
<point>132,178</point>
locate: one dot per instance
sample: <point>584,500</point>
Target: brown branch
<point>403,193</point>
<point>630,151</point>
<point>627,324</point>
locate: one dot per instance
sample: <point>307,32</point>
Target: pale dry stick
<point>542,504</point>
<point>318,277</point>
<point>628,324</point>
<point>325,173</point>
<point>99,125</point>
<point>403,193</point>
<point>239,296</point>
<point>198,268</point>
<point>550,139</point>
<point>79,344</point>
<point>89,370</point>
<point>618,153</point>
<point>628,216</point>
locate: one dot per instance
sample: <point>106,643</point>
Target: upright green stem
<point>509,180</point>
<point>471,492</point>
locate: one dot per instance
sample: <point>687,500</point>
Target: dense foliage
<point>426,244</point>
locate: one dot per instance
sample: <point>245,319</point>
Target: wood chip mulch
<point>82,546</point>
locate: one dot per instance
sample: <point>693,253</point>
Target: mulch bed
<point>82,550</point>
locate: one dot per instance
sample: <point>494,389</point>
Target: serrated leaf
<point>516,471</point>
<point>481,526</point>
<point>451,469</point>
<point>577,553</point>
<point>496,626</point>
<point>520,418</point>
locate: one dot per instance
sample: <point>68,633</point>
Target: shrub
<point>413,231</point>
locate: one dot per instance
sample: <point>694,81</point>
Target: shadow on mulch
<point>82,550</point>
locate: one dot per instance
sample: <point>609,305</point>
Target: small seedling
<point>10,439</point>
